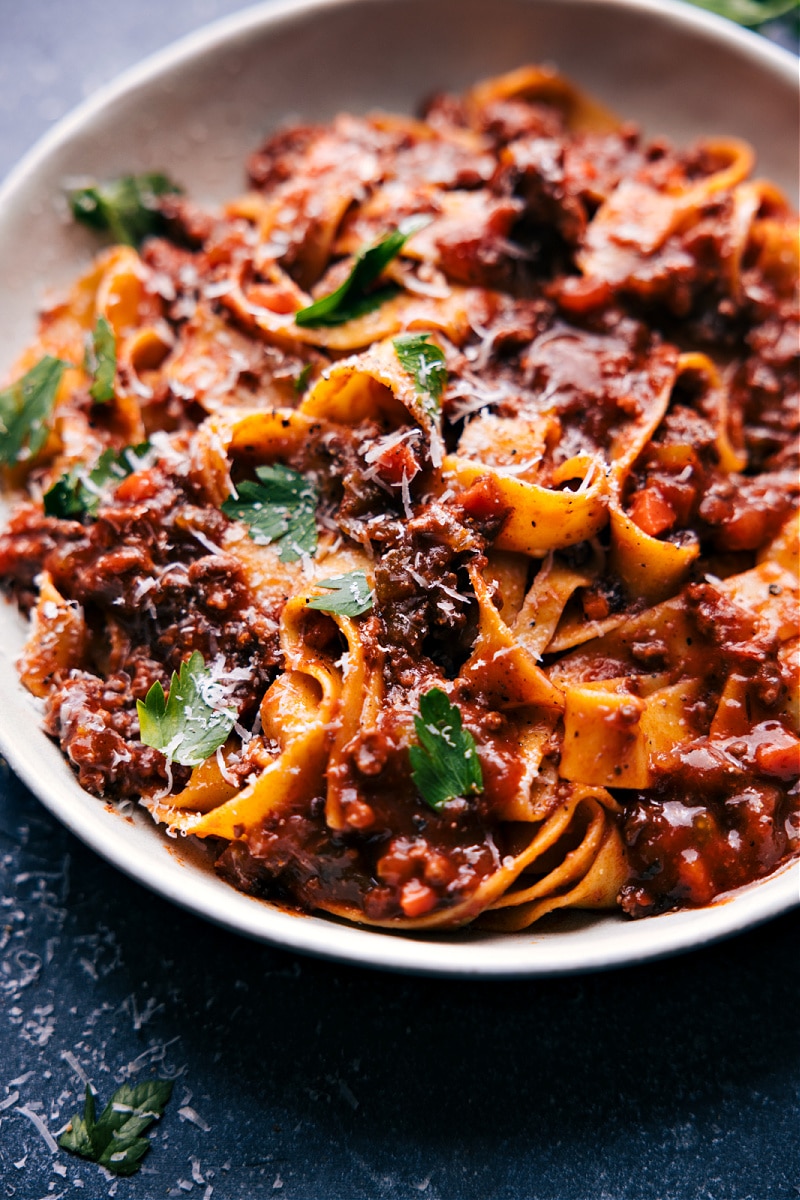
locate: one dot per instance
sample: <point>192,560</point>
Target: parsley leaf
<point>115,1139</point>
<point>77,1137</point>
<point>748,12</point>
<point>351,595</point>
<point>191,724</point>
<point>352,299</point>
<point>78,492</point>
<point>25,407</point>
<point>301,382</point>
<point>425,361</point>
<point>101,361</point>
<point>280,508</point>
<point>445,764</point>
<point>127,207</point>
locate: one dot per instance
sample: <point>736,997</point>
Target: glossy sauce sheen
<point>584,353</point>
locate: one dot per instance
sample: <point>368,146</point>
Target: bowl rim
<point>323,936</point>
<point>273,13</point>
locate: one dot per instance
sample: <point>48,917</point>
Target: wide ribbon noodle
<point>433,557</point>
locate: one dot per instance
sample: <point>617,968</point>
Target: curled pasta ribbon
<point>647,566</point>
<point>667,622</point>
<point>769,592</point>
<point>57,640</point>
<point>296,713</point>
<point>122,296</point>
<point>541,518</point>
<point>763,226</point>
<point>140,354</point>
<point>276,215</point>
<point>614,737</point>
<point>543,85</point>
<point>270,436</point>
<point>500,666</point>
<point>507,576</point>
<point>542,613</point>
<point>517,444</point>
<point>731,459</point>
<point>114,287</point>
<point>270,310</point>
<point>370,385</point>
<point>208,364</point>
<point>637,218</point>
<point>777,242</point>
<point>634,435</point>
<point>361,700</point>
<point>585,875</point>
<point>259,435</point>
<point>135,316</point>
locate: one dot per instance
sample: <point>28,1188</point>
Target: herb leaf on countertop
<point>114,1140</point>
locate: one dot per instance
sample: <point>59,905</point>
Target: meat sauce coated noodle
<point>421,530</point>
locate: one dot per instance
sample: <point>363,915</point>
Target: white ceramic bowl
<point>197,109</point>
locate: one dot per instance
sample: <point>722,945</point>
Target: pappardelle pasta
<point>420,531</point>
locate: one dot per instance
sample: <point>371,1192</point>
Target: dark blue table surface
<point>309,1081</point>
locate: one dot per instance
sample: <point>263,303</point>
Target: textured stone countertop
<point>310,1081</point>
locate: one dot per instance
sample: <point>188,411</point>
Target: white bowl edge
<point>139,849</point>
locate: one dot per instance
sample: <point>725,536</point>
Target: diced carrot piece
<point>782,758</point>
<point>139,486</point>
<point>651,512</point>
<point>417,898</point>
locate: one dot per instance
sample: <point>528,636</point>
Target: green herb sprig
<point>79,491</point>
<point>25,410</point>
<point>424,360</point>
<point>350,595</point>
<point>114,1140</point>
<point>353,298</point>
<point>190,725</point>
<point>445,764</point>
<point>100,361</point>
<point>302,380</point>
<point>281,508</point>
<point>126,207</point>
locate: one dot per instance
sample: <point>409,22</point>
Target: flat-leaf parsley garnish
<point>281,508</point>
<point>424,360</point>
<point>101,361</point>
<point>302,380</point>
<point>114,1140</point>
<point>445,764</point>
<point>193,722</point>
<point>25,408</point>
<point>353,299</point>
<point>350,595</point>
<point>79,491</point>
<point>127,207</point>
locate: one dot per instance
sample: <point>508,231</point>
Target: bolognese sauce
<point>432,552</point>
